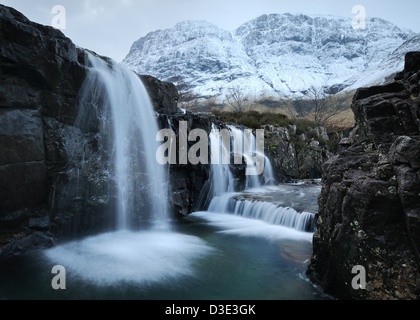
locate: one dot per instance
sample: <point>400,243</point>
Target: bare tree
<point>237,100</point>
<point>187,98</point>
<point>317,106</point>
<point>325,107</point>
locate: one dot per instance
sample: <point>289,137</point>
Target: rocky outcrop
<point>186,180</point>
<point>369,207</point>
<point>164,95</point>
<point>41,72</point>
<point>297,155</point>
<point>54,165</point>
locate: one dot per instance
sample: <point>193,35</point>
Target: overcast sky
<point>109,27</point>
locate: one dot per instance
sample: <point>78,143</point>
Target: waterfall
<point>141,185</point>
<point>222,179</point>
<point>242,139</point>
<point>265,211</point>
<point>127,134</point>
<point>225,199</point>
<point>221,176</point>
<point>238,145</point>
<point>268,172</point>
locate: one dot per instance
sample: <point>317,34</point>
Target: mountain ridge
<point>274,55</point>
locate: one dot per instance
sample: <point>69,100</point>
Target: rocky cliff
<point>369,207</point>
<point>55,163</point>
<point>41,73</point>
<point>297,155</point>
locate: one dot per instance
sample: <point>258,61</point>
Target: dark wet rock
<point>50,178</point>
<point>296,156</point>
<point>164,95</point>
<point>42,223</point>
<point>22,244</point>
<point>369,205</point>
<point>187,181</point>
<point>394,87</point>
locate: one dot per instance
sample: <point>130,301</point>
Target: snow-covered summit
<point>274,54</point>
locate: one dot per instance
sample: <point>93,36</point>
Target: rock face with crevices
<point>41,72</point>
<point>54,162</point>
<point>369,207</point>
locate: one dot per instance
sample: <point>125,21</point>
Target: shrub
<point>257,120</point>
<point>253,119</point>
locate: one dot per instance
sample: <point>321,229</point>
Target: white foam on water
<point>262,210</point>
<point>237,225</point>
<point>132,257</point>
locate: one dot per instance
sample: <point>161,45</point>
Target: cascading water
<point>241,139</point>
<point>129,125</point>
<point>221,179</point>
<point>138,177</point>
<point>169,263</point>
<point>263,210</point>
<point>239,142</point>
<point>221,176</point>
<point>226,200</point>
<point>268,175</point>
<point>152,263</point>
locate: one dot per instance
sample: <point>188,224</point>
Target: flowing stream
<point>250,244</point>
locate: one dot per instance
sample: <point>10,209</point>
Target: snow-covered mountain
<point>274,55</point>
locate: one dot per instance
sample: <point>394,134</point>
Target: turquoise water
<point>207,256</point>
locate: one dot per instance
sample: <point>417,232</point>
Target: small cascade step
<point>266,211</point>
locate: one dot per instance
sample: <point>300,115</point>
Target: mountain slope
<point>274,55</point>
